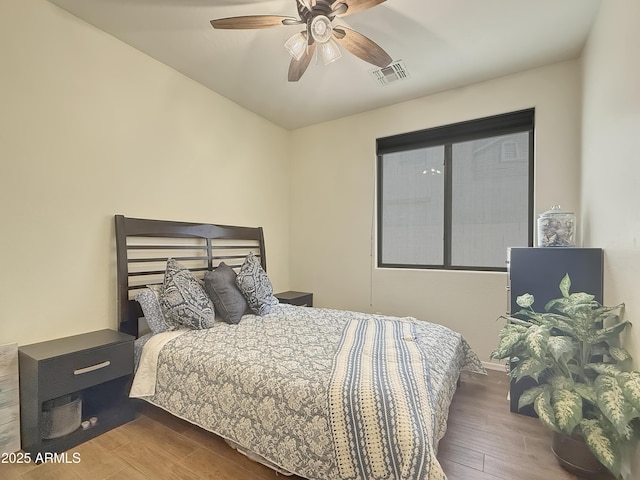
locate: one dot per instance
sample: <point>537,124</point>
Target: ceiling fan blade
<point>355,6</point>
<point>361,46</point>
<point>298,67</point>
<point>252,21</point>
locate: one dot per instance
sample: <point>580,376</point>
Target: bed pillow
<point>227,298</point>
<point>183,300</point>
<point>254,284</point>
<point>149,300</point>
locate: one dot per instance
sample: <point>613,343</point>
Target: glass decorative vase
<point>556,228</point>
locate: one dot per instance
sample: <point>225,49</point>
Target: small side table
<point>96,366</point>
<point>302,299</point>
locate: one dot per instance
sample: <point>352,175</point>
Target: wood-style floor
<point>483,442</point>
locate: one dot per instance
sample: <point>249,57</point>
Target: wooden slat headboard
<point>143,247</point>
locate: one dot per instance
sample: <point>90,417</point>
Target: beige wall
<point>611,154</point>
<point>109,130</point>
<point>90,127</point>
<point>333,188</point>
<point>611,158</point>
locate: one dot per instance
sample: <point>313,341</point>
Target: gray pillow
<point>227,298</point>
<point>183,300</point>
<point>149,300</point>
<point>254,284</point>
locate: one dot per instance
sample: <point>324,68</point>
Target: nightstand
<point>303,299</point>
<point>96,367</point>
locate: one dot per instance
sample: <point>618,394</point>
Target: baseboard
<point>497,367</point>
<point>500,367</point>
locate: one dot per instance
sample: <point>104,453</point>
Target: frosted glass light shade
<point>330,51</point>
<point>296,46</point>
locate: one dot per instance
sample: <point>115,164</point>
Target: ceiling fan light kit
<point>296,45</point>
<point>317,16</point>
<point>330,51</point>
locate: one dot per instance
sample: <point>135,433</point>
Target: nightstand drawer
<point>76,371</point>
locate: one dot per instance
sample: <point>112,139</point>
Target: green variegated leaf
<point>600,349</point>
<point>610,322</point>
<point>621,356</point>
<point>561,322</point>
<point>604,368</point>
<point>576,370</point>
<point>518,321</point>
<point>584,298</point>
<point>565,285</point>
<point>561,348</point>
<point>542,406</point>
<point>630,384</point>
<point>600,444</point>
<point>615,317</point>
<point>612,402</point>
<point>510,336</point>
<point>529,367</point>
<point>500,354</point>
<point>610,315</point>
<point>621,308</point>
<point>511,328</point>
<point>560,382</point>
<point>529,396</point>
<point>586,391</point>
<point>611,332</point>
<point>582,312</point>
<point>567,407</point>
<point>630,433</point>
<point>536,341</point>
<point>556,303</point>
<point>525,301</point>
<point>532,318</point>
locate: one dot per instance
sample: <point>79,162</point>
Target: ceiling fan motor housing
<point>321,7</point>
<point>321,29</point>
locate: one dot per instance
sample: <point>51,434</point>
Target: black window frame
<point>503,124</point>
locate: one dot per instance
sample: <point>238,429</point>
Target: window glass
<point>413,206</point>
<point>456,196</point>
<point>490,199</point>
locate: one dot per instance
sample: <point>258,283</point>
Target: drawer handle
<point>92,368</point>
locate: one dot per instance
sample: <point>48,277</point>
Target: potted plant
<point>586,386</point>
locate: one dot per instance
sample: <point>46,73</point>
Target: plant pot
<point>574,456</point>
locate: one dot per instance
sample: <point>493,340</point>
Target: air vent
<point>391,74</point>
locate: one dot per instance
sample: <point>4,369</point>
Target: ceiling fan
<point>317,16</point>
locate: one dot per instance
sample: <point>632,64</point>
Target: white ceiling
<point>443,43</point>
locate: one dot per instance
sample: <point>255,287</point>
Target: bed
<point>321,393</point>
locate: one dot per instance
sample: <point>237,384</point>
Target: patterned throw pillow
<point>254,284</point>
<point>183,300</point>
<point>149,300</point>
<point>227,298</point>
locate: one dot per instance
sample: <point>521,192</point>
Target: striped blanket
<point>380,398</point>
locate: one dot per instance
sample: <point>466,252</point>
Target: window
<point>456,197</point>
